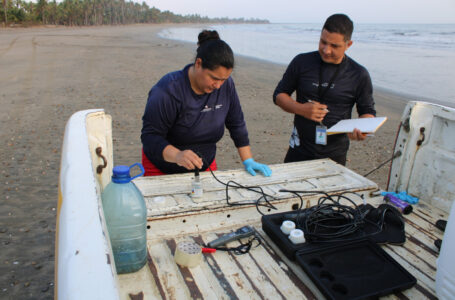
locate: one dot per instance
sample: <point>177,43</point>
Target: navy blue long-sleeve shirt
<point>352,86</point>
<point>175,115</point>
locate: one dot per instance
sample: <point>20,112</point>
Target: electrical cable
<point>395,155</point>
<point>243,248</point>
<point>331,221</point>
<point>255,189</point>
<point>328,221</point>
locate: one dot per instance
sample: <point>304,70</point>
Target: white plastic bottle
<point>445,274</point>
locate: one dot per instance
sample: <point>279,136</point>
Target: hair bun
<point>207,35</point>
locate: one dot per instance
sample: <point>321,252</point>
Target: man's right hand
<point>313,110</point>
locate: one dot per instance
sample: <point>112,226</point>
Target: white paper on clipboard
<point>365,125</point>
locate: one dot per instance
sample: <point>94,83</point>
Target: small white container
<point>297,237</point>
<point>445,264</point>
<point>287,226</point>
<point>196,188</point>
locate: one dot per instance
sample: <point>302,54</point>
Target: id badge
<point>321,135</point>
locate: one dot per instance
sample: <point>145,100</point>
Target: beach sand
<point>47,74</point>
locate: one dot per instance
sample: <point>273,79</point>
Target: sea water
<point>416,60</point>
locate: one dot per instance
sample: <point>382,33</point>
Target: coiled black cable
<point>330,220</point>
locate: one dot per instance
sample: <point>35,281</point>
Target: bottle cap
<point>121,174</point>
<point>287,226</point>
<point>296,236</point>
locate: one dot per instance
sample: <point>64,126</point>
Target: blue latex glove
<point>251,166</point>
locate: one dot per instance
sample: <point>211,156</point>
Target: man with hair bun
<point>187,111</point>
<point>328,84</point>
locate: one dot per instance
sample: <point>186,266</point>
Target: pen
<point>311,101</point>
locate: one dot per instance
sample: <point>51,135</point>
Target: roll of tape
<point>188,254</point>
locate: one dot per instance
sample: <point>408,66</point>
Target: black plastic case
<point>354,269</point>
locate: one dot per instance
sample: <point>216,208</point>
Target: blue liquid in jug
<point>129,257</point>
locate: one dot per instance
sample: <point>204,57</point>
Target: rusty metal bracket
<point>100,168</point>
<point>406,125</point>
<point>422,133</point>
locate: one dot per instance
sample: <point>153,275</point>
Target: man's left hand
<point>357,135</point>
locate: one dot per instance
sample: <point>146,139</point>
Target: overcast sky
<point>314,11</point>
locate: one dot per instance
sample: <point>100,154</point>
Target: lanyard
<point>321,92</point>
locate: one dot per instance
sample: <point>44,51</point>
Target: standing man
<point>327,83</point>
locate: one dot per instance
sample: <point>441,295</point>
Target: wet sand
<point>47,74</point>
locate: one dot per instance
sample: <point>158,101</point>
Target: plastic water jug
<point>445,274</point>
<point>126,219</point>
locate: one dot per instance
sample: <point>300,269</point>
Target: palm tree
<point>5,11</point>
<point>96,12</point>
<point>41,8</point>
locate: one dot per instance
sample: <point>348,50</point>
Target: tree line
<point>97,12</point>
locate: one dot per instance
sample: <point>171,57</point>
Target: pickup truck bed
<point>265,272</point>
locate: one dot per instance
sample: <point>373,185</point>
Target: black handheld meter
<point>243,232</point>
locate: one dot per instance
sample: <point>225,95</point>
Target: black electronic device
<point>243,232</point>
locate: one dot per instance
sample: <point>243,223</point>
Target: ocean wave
<point>408,58</point>
<point>407,33</point>
<point>445,33</point>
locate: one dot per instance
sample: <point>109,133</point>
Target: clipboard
<point>365,125</point>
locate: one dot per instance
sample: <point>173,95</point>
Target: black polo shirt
<point>352,85</point>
